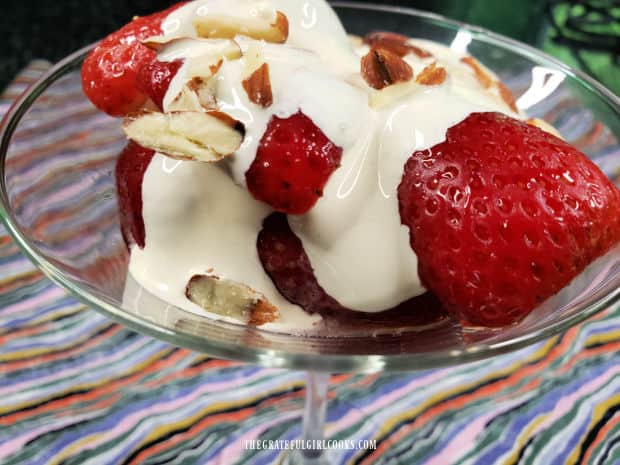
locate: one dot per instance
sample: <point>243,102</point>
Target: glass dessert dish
<point>60,204</point>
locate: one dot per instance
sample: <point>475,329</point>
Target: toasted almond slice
<point>227,27</point>
<point>395,43</point>
<point>506,95</point>
<point>253,58</point>
<point>381,68</point>
<point>205,90</point>
<point>391,94</point>
<point>232,299</point>
<point>170,48</point>
<point>542,124</point>
<point>204,67</point>
<point>432,75</point>
<point>186,100</point>
<point>198,94</point>
<point>190,135</point>
<point>158,42</point>
<point>483,77</point>
<point>258,87</point>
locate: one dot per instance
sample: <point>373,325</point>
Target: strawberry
<point>109,72</point>
<point>154,79</point>
<point>293,162</point>
<point>130,168</point>
<point>285,261</point>
<point>502,215</point>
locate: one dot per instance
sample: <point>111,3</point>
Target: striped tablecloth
<point>76,388</point>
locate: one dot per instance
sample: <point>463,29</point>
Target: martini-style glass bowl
<point>59,202</point>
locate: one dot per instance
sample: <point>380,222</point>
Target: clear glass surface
<point>59,202</point>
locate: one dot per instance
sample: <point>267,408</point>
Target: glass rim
<point>281,358</point>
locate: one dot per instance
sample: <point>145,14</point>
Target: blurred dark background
<point>583,33</point>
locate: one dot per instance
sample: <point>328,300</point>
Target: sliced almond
<point>158,42</point>
<point>232,299</point>
<point>205,90</point>
<point>186,100</point>
<point>395,43</point>
<point>258,87</point>
<point>227,27</point>
<point>542,124</point>
<point>195,47</point>
<point>483,77</point>
<point>507,97</point>
<point>206,55</point>
<point>190,135</point>
<point>432,75</point>
<point>253,58</point>
<point>381,68</point>
<point>196,95</point>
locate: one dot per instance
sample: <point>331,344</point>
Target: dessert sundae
<point>279,171</point>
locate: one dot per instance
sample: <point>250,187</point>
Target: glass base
<point>298,457</point>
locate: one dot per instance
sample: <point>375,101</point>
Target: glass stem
<point>313,426</point>
<point>316,406</point>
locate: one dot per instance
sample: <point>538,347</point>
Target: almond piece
<point>484,78</point>
<point>381,68</point>
<point>185,100</point>
<point>208,54</point>
<point>205,90</point>
<point>188,135</point>
<point>170,47</point>
<point>232,299</point>
<point>506,95</point>
<point>197,94</point>
<point>227,27</point>
<point>395,43</point>
<point>432,75</point>
<point>258,87</point>
<point>542,124</point>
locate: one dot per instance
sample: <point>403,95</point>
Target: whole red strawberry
<point>130,168</point>
<point>109,72</point>
<point>292,165</point>
<point>502,215</point>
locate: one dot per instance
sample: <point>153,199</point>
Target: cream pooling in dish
<point>353,236</point>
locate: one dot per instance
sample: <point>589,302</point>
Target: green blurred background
<point>585,34</point>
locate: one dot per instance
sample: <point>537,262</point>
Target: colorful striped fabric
<point>76,388</point>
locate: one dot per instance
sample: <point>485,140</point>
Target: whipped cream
<point>199,218</point>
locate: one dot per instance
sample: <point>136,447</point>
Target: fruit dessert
<point>280,172</point>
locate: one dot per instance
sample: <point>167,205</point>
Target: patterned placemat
<point>76,388</point>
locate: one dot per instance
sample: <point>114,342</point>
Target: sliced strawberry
<point>282,254</point>
<point>502,215</point>
<point>293,163</point>
<point>109,72</point>
<point>154,79</point>
<point>130,168</point>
